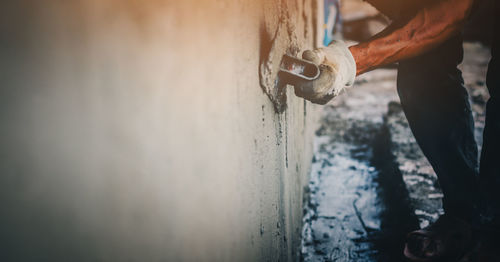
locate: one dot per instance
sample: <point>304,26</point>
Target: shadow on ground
<point>358,208</point>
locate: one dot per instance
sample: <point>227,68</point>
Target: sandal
<point>449,239</point>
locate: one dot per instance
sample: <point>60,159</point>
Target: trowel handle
<point>294,70</point>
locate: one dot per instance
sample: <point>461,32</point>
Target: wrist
<point>360,58</point>
<point>340,57</point>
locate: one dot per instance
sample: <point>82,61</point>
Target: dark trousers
<point>490,156</point>
<point>437,107</point>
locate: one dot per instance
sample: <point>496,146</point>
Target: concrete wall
<point>137,131</point>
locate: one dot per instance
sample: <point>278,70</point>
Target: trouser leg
<point>490,156</point>
<point>436,105</point>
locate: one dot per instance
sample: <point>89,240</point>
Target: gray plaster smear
<point>139,131</point>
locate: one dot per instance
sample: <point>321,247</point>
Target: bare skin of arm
<point>425,29</point>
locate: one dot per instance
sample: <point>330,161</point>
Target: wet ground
<point>370,185</point>
<point>357,207</point>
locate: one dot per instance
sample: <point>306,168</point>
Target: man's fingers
<point>337,70</point>
<point>316,56</point>
<point>318,87</point>
<point>324,100</point>
<point>316,100</point>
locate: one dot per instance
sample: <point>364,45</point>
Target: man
<point>425,39</point>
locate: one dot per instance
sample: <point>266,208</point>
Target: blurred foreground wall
<point>138,131</point>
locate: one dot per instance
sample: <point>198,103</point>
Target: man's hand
<point>337,71</point>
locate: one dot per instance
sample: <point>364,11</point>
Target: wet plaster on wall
<point>279,36</point>
<point>140,132</point>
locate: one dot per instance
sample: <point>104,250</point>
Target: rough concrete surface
<point>138,131</point>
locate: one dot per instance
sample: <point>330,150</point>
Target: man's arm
<point>426,29</point>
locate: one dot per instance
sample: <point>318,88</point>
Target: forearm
<point>427,28</point>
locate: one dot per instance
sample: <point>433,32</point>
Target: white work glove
<point>337,71</point>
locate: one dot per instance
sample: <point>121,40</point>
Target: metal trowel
<point>295,71</point>
<point>292,71</point>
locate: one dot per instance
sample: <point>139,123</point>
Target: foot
<point>488,248</point>
<point>449,239</point>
